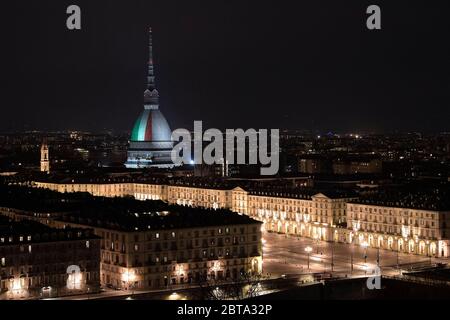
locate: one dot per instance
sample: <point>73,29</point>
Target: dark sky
<point>251,64</point>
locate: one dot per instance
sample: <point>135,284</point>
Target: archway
<point>411,246</point>
<point>287,228</point>
<point>421,247</point>
<point>380,241</point>
<point>314,232</point>
<point>323,233</point>
<point>302,230</point>
<point>390,243</point>
<point>360,238</point>
<point>350,237</point>
<point>433,249</point>
<point>371,240</point>
<point>400,245</point>
<point>255,266</point>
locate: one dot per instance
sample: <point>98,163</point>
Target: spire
<point>151,95</point>
<point>45,160</point>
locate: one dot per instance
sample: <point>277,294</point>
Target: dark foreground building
<point>37,261</point>
<point>146,244</point>
<point>180,245</point>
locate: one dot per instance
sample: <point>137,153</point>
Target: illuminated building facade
<point>45,160</point>
<point>315,216</point>
<point>321,216</point>
<point>37,261</point>
<point>186,250</point>
<point>408,230</point>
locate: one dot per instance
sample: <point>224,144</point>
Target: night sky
<point>252,64</point>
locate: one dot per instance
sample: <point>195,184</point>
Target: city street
<point>287,255</point>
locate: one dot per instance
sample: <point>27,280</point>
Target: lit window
<point>20,238</point>
<point>157,236</point>
<point>29,238</point>
<point>173,234</point>
<point>3,261</point>
<point>29,248</point>
<point>136,247</point>
<point>87,244</point>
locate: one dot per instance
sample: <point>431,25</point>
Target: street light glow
<point>308,249</point>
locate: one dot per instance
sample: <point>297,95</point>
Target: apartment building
<point>181,246</point>
<point>37,261</point>
<point>329,216</point>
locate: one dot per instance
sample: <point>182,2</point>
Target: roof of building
<point>151,125</point>
<point>424,198</point>
<point>303,193</point>
<point>273,187</point>
<point>27,231</point>
<point>174,217</point>
<point>121,213</point>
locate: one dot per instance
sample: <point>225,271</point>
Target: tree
<point>248,285</point>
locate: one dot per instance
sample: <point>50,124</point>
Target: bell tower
<point>45,161</point>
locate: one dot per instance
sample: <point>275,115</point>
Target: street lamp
<point>356,226</point>
<point>129,277</point>
<point>365,245</point>
<point>332,256</point>
<point>308,251</point>
<point>317,243</point>
<point>352,239</point>
<point>378,256</point>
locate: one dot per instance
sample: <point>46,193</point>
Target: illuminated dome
<point>151,138</point>
<point>151,126</point>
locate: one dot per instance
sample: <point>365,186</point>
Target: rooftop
<point>302,193</point>
<point>425,198</point>
<point>268,187</point>
<point>27,231</point>
<point>174,217</point>
<point>123,213</point>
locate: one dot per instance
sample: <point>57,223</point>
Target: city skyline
<point>222,150</point>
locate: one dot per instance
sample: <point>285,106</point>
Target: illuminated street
<point>287,255</point>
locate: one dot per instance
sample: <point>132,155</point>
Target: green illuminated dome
<point>151,126</point>
<point>151,137</point>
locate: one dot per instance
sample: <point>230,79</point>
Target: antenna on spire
<point>151,95</point>
<point>150,75</point>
